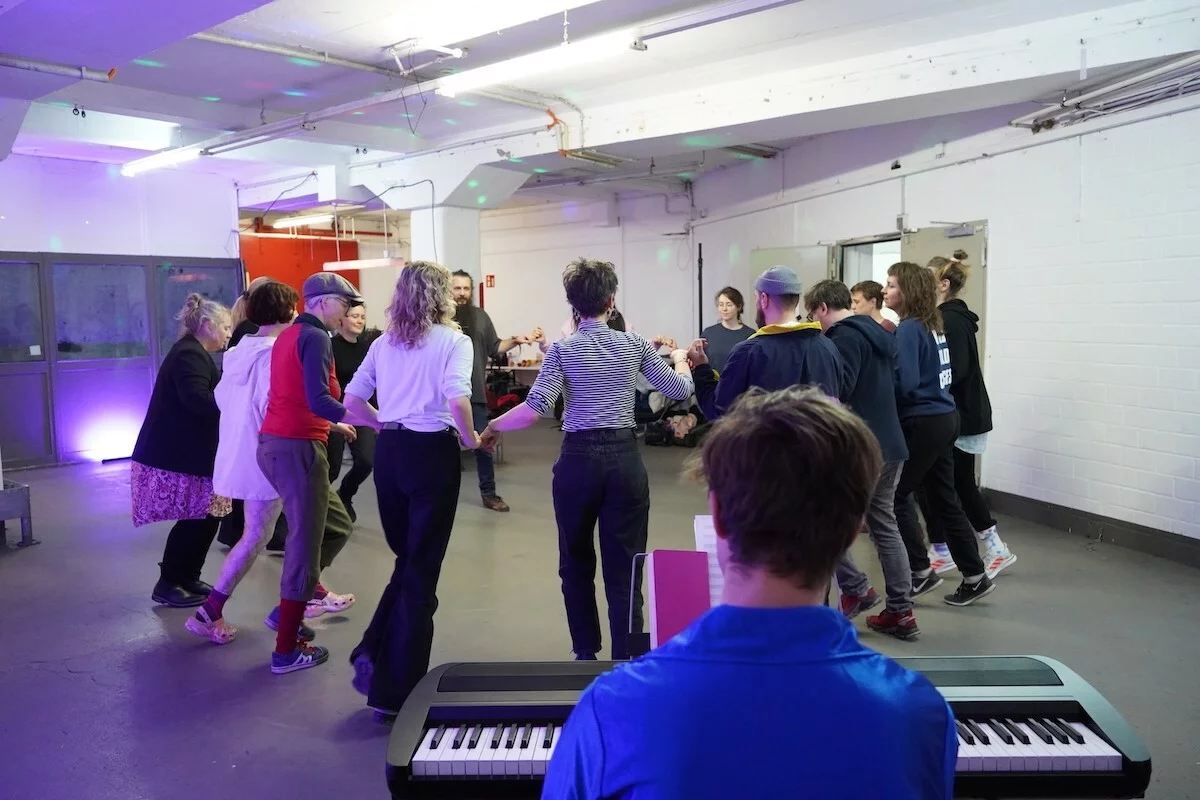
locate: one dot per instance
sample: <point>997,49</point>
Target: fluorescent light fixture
<point>167,158</point>
<point>363,263</point>
<point>560,57</point>
<point>297,222</point>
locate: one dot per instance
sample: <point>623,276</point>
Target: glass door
<point>26,432</point>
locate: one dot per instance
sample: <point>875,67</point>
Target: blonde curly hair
<point>422,300</point>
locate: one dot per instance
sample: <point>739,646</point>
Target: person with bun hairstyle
<point>729,332</point>
<point>242,324</point>
<point>930,424</point>
<point>970,395</point>
<point>171,474</point>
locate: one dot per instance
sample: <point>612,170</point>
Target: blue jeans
<point>485,465</point>
<point>599,478</point>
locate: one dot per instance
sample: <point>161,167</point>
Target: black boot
<point>175,596</point>
<point>198,587</point>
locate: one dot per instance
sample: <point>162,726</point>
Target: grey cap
<point>331,283</point>
<point>779,280</point>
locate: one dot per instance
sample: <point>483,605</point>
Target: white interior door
<point>921,245</point>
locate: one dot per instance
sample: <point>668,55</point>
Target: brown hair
<point>735,297</point>
<point>272,303</point>
<point>590,285</point>
<point>792,473</point>
<point>827,292</point>
<point>422,300</point>
<point>953,269</point>
<point>920,294</point>
<point>870,290</point>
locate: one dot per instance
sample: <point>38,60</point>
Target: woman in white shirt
<point>421,372</point>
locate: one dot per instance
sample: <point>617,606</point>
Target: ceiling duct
<point>596,157</point>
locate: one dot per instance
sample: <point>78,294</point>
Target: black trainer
<point>927,584</point>
<point>968,593</point>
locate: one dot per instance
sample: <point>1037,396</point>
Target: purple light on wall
<point>108,434</point>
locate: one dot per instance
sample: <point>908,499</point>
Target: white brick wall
<point>1093,320</point>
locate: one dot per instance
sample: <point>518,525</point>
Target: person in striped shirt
<point>599,476</point>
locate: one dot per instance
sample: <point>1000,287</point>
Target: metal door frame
<point>839,268</point>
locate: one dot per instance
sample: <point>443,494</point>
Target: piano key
<point>437,737</point>
<point>997,757</point>
<point>1054,730</point>
<point>1022,737</point>
<point>550,731</point>
<point>529,750</point>
<point>497,736</point>
<point>459,735</point>
<point>1069,731</point>
<point>1000,730</point>
<point>1038,731</point>
<point>421,758</point>
<point>474,740</point>
<point>964,732</point>
<point>479,756</point>
<point>510,736</point>
<point>1041,751</point>
<point>963,761</point>
<point>512,758</point>
<point>1106,758</point>
<point>439,755</point>
<point>541,749</point>
<point>975,729</point>
<point>972,753</point>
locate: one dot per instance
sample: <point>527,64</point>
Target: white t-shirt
<point>415,385</point>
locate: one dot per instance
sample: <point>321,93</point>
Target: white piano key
<point>512,755</point>
<point>1106,758</point>
<point>443,756</point>
<point>1001,752</point>
<point>479,751</point>
<point>491,761</point>
<point>1040,750</point>
<point>420,759</point>
<point>458,755</point>
<point>529,753</point>
<point>543,753</point>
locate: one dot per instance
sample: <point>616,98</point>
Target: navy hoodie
<point>774,358</point>
<point>923,372</point>
<point>869,379</point>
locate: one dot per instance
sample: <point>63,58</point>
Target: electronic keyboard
<point>1027,727</point>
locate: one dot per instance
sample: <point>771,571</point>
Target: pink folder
<point>677,591</point>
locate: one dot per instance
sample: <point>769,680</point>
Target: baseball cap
<point>777,281</point>
<point>331,283</point>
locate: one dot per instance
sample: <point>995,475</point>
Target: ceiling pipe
<point>46,68</point>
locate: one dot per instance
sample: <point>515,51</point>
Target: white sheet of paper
<point>706,541</point>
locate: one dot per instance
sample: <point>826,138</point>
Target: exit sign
<point>489,281</point>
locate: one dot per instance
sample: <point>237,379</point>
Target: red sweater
<point>304,393</point>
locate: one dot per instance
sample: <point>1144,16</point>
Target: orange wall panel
<point>292,260</point>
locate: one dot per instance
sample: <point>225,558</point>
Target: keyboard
<point>1028,727</point>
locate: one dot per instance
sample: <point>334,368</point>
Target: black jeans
<point>969,496</point>
<point>362,451</point>
<point>930,468</point>
<point>417,482</point>
<point>187,547</point>
<point>600,478</point>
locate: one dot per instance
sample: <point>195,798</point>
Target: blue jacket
<point>923,372</point>
<point>869,379</point>
<point>774,358</point>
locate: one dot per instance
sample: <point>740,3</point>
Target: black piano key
<point>458,737</point>
<point>549,740</point>
<point>1039,731</point>
<point>474,740</point>
<point>497,736</point>
<point>978,731</point>
<point>1001,731</point>
<point>526,732</point>
<point>1055,731</point>
<point>511,737</point>
<point>964,732</point>
<point>437,737</point>
<point>1021,736</point>
<point>1069,730</point>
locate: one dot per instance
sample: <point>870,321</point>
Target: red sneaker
<point>853,605</point>
<point>901,626</point>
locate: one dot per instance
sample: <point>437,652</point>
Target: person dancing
<point>420,369</point>
<point>930,424</point>
<point>599,475</point>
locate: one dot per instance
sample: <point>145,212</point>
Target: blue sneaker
<point>305,634</point>
<point>303,657</point>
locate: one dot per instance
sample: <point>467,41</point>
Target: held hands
<point>469,440</point>
<point>538,335</point>
<point>695,353</point>
<point>679,356</point>
<point>489,438</point>
<point>348,431</point>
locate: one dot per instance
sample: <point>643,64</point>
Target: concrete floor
<point>104,695</point>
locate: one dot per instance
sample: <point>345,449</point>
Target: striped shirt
<point>596,370</point>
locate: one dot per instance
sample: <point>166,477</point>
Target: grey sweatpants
<point>885,533</point>
<point>299,470</point>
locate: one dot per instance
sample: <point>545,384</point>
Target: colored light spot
<point>698,141</point>
<point>472,184</point>
<point>517,160</point>
<point>304,62</point>
<point>407,116</point>
<point>56,244</point>
<point>210,99</point>
<point>746,157</point>
<point>687,176</point>
<point>664,255</point>
<point>295,93</point>
<point>540,170</point>
<point>359,113</point>
<point>481,199</point>
<point>147,62</point>
<point>61,104</point>
<point>449,121</point>
<point>735,253</point>
<point>467,103</point>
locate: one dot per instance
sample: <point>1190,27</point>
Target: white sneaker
<point>997,559</point>
<point>331,603</point>
<point>940,562</point>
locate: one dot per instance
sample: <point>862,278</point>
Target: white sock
<point>988,535</point>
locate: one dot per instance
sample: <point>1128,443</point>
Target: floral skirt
<point>161,495</point>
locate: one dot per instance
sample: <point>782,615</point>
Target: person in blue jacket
<point>930,423</point>
<point>769,694</point>
<point>784,352</point>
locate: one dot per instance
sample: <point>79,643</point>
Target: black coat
<point>182,423</point>
<point>966,385</point>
